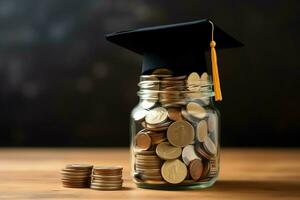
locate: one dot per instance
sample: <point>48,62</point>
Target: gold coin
<point>195,169</point>
<point>142,141</point>
<point>193,81</point>
<point>180,133</point>
<point>174,114</point>
<point>167,152</point>
<point>157,115</point>
<point>204,77</point>
<point>202,131</point>
<point>174,171</point>
<point>196,110</point>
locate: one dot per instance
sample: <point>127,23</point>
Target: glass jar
<point>175,133</point>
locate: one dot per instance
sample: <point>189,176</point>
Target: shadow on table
<point>278,188</point>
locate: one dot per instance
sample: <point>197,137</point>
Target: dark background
<point>62,84</point>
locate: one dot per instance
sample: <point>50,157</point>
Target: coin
<point>195,169</point>
<point>157,115</point>
<point>108,181</point>
<point>196,110</point>
<point>106,188</point>
<point>189,154</point>
<point>212,123</point>
<point>201,130</point>
<point>175,78</point>
<point>139,114</point>
<point>150,177</point>
<point>157,137</point>
<point>162,71</point>
<point>167,152</point>
<point>141,152</point>
<point>76,175</point>
<point>143,141</point>
<point>206,169</point>
<point>174,171</point>
<point>79,166</point>
<point>209,146</point>
<point>148,103</point>
<point>107,178</point>
<point>107,170</point>
<point>174,114</point>
<point>180,133</point>
<point>204,77</point>
<point>199,150</point>
<point>188,117</point>
<point>193,81</point>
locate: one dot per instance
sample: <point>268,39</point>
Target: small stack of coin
<point>76,175</point>
<point>148,167</point>
<point>107,178</point>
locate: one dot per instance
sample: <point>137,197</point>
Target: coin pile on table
<point>107,178</point>
<point>177,139</point>
<point>76,175</point>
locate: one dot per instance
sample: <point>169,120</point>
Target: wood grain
<point>245,174</point>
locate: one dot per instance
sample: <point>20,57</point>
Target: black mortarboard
<point>180,47</point>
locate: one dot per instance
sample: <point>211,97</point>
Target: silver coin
<point>189,154</point>
<point>209,146</point>
<point>139,113</point>
<point>212,122</point>
<point>148,103</point>
<point>156,115</point>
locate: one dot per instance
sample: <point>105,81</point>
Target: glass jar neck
<point>174,90</point>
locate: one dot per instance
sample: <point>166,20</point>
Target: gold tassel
<point>215,72</point>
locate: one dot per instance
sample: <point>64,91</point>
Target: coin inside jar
<point>139,114</point>
<point>162,71</point>
<point>196,110</point>
<point>157,115</point>
<point>193,81</point>
<point>174,113</point>
<point>180,133</point>
<point>189,154</point>
<point>174,171</point>
<point>143,141</point>
<point>167,152</point>
<point>201,130</point>
<point>209,146</point>
<point>212,123</point>
<point>195,169</point>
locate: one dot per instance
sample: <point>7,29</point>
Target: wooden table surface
<point>245,174</point>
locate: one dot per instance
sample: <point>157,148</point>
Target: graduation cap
<point>179,47</point>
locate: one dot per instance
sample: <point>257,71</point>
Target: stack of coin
<point>76,175</point>
<point>148,166</point>
<point>171,88</point>
<point>107,178</point>
<point>177,144</point>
